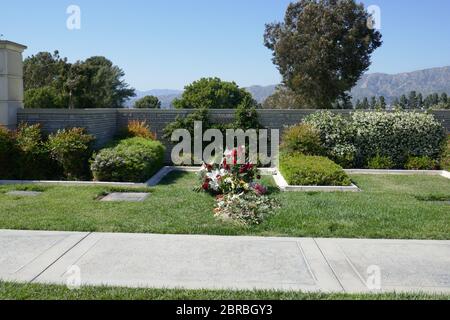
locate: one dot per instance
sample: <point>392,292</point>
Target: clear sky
<point>170,43</point>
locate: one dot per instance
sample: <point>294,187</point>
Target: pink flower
<point>259,189</point>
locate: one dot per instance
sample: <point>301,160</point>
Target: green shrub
<point>421,163</point>
<point>397,135</point>
<point>136,128</point>
<point>445,161</point>
<point>380,162</point>
<point>336,134</point>
<point>71,148</point>
<point>302,138</point>
<point>303,170</point>
<point>8,154</point>
<point>246,116</point>
<point>44,98</point>
<point>34,162</point>
<point>130,160</point>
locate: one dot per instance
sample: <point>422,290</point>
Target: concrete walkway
<point>214,262</point>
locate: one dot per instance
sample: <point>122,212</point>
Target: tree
<point>283,98</point>
<point>148,102</point>
<point>381,105</point>
<point>211,93</point>
<point>344,102</point>
<point>365,105</point>
<point>322,48</point>
<point>403,102</point>
<point>358,105</point>
<point>412,100</point>
<point>94,83</point>
<point>444,98</point>
<point>45,70</point>
<point>97,83</point>
<point>420,101</point>
<point>246,116</point>
<point>44,98</point>
<point>373,103</point>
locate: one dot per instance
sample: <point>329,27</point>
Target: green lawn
<point>14,291</point>
<point>406,207</point>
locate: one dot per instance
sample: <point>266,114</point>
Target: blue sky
<point>170,43</point>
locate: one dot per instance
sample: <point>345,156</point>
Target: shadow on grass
<point>174,177</point>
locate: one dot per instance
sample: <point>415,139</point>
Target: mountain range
<point>435,80</point>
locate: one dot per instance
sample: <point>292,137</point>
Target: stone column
<point>11,82</point>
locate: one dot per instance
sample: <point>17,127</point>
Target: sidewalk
<point>215,262</point>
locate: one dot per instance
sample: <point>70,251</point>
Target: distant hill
<point>436,80</point>
<point>261,93</point>
<point>166,96</point>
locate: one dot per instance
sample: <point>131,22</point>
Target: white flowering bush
<point>397,135</point>
<point>336,134</point>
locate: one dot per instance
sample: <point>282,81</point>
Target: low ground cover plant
<point>302,170</point>
<point>129,160</point>
<point>421,163</point>
<point>445,162</point>
<point>380,162</point>
<point>364,136</point>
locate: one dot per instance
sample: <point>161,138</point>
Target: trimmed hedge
<point>302,138</point>
<point>398,135</point>
<point>130,160</point>
<point>301,170</point>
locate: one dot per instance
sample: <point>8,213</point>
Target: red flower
<point>234,155</point>
<point>205,186</point>
<point>259,189</point>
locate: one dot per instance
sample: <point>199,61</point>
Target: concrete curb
<point>75,183</point>
<point>158,177</point>
<point>284,186</point>
<point>441,173</point>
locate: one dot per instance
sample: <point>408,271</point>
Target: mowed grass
<point>14,291</point>
<point>396,207</point>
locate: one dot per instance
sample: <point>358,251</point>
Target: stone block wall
<point>104,124</point>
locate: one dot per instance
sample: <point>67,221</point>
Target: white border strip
<point>284,186</point>
<point>74,183</point>
<point>279,179</point>
<point>158,177</point>
<point>441,173</point>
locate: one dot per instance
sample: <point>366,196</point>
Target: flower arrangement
<point>238,194</point>
<point>229,176</point>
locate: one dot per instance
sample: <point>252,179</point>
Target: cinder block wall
<point>102,123</point>
<point>105,123</point>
